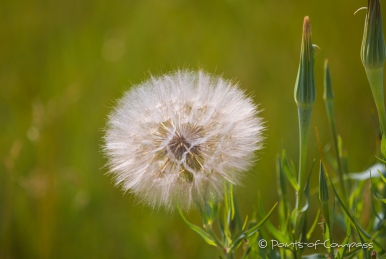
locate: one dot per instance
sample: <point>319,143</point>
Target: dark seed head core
<point>179,146</point>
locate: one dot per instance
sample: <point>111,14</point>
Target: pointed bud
<point>323,189</point>
<point>323,196</point>
<point>328,94</point>
<point>373,51</point>
<point>305,83</point>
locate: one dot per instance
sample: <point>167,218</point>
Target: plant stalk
<point>304,113</point>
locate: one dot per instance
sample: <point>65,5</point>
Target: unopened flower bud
<point>373,44</point>
<point>305,82</point>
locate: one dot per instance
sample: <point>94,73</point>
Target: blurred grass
<point>64,63</point>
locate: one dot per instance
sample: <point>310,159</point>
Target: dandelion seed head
<point>176,138</point>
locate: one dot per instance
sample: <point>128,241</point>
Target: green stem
<point>304,113</point>
<point>331,120</point>
<point>375,77</point>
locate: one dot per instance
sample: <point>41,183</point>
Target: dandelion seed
<point>176,138</point>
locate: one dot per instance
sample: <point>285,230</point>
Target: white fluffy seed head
<point>176,138</point>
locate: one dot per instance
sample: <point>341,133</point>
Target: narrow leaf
<point>288,171</point>
<point>313,225</point>
<point>208,239</point>
<point>342,250</point>
<point>236,241</point>
<point>255,228</point>
<point>274,232</point>
<point>348,213</point>
<point>231,199</point>
<point>245,223</point>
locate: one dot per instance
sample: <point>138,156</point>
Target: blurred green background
<point>63,64</point>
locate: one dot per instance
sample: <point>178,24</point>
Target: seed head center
<point>180,146</point>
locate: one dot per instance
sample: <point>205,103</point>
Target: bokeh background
<point>63,64</point>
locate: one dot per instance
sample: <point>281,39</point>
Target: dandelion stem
<point>210,231</point>
<point>220,245</point>
<point>304,113</point>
